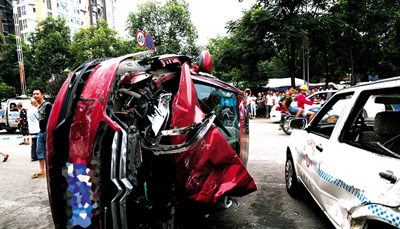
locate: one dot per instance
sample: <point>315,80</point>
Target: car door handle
<point>319,148</point>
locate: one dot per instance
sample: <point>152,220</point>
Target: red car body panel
<point>211,168</point>
<point>208,170</point>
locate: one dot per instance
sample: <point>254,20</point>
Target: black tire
<point>292,185</point>
<point>11,131</point>
<point>286,125</point>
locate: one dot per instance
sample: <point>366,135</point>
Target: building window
<point>34,10</point>
<point>24,24</point>
<point>19,11</point>
<point>49,4</point>
<point>23,12</point>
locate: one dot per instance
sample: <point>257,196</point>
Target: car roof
<point>385,83</point>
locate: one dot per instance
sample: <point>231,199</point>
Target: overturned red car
<point>129,137</point>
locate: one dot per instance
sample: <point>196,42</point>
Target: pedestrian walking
<point>33,124</point>
<point>23,123</point>
<point>5,156</point>
<point>44,110</point>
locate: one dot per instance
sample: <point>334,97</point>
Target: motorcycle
<point>286,119</point>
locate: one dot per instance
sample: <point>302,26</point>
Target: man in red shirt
<point>301,100</point>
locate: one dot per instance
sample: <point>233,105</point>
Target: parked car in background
<point>129,138</point>
<point>350,163</point>
<point>9,113</point>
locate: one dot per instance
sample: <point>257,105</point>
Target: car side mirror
<point>298,123</point>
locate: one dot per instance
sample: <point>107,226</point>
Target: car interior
<point>377,126</point>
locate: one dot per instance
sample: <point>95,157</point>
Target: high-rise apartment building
<point>6,14</point>
<point>78,13</point>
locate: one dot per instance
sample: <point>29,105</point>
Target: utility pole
<point>19,47</point>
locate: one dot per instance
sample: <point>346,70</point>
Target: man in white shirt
<point>270,102</point>
<point>253,106</point>
<point>33,121</point>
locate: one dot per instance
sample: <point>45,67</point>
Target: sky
<point>208,16</point>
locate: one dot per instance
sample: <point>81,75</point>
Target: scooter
<point>287,118</point>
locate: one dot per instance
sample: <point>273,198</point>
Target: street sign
<point>149,41</point>
<point>140,38</point>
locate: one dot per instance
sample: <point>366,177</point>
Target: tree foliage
<point>169,24</point>
<point>98,42</point>
<point>6,91</point>
<point>54,86</point>
<point>2,43</point>
<point>9,65</point>
<point>50,45</point>
<point>343,38</point>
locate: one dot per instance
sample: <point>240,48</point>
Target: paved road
<point>270,206</point>
<point>24,202</point>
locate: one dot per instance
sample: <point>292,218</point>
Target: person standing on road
<point>44,114</point>
<point>248,102</point>
<point>264,97</point>
<point>23,122</point>
<point>33,121</point>
<point>5,156</point>
<point>253,106</point>
<point>260,106</point>
<point>269,103</point>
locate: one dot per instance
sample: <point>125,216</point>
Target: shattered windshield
<point>225,105</point>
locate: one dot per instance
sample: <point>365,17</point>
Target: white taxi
<point>350,163</point>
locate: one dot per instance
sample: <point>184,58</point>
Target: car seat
<point>386,130</point>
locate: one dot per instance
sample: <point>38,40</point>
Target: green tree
<point>54,86</point>
<point>2,43</point>
<point>9,65</point>
<point>6,91</point>
<point>94,42</point>
<point>345,37</point>
<point>50,44</point>
<point>98,42</point>
<point>169,24</point>
<point>365,28</point>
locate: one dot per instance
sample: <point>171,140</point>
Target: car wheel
<point>286,125</point>
<point>225,202</point>
<point>292,185</point>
